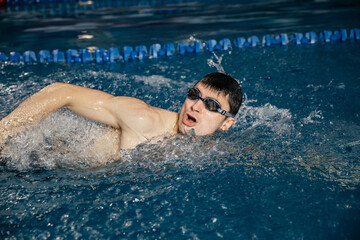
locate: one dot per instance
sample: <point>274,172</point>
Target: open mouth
<point>189,120</point>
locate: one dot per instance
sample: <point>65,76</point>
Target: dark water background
<point>288,169</point>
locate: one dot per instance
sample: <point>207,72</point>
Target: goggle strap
<point>227,114</point>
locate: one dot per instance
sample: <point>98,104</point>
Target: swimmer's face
<point>194,115</point>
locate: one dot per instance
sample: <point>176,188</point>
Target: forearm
<point>34,108</point>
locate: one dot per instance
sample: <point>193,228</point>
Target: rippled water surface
<point>288,169</point>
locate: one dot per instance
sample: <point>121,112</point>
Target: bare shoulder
<point>124,101</point>
<point>135,109</point>
<point>136,115</point>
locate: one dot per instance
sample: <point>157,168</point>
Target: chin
<point>193,132</point>
<point>183,129</point>
<point>187,130</point>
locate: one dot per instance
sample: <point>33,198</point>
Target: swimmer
<point>210,105</point>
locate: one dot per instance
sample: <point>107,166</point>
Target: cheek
<point>182,127</point>
<point>211,122</point>
<point>212,118</point>
<point>209,114</point>
<point>183,109</point>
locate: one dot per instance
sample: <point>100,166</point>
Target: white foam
<point>154,80</point>
<point>61,140</point>
<point>316,114</point>
<point>268,116</point>
<point>180,152</point>
<point>353,143</point>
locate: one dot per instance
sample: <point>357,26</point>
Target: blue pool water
<point>288,169</point>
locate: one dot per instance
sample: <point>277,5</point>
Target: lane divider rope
<point>128,53</point>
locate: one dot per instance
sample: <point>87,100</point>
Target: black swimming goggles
<point>210,103</point>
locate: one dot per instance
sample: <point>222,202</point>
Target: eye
<point>212,105</point>
<point>193,94</point>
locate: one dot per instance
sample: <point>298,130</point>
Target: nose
<point>197,106</point>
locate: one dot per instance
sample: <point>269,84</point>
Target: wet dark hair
<point>226,84</point>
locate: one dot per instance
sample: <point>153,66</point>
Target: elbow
<point>58,91</point>
<point>56,86</point>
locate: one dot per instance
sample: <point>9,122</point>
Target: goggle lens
<point>211,104</point>
<point>193,94</point>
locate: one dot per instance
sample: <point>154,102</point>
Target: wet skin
<point>135,121</point>
<point>194,115</point>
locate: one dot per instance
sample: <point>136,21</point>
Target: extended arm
<point>84,101</point>
<point>137,120</point>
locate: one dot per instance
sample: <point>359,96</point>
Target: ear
<point>229,121</point>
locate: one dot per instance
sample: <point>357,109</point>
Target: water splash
<point>155,81</point>
<point>263,139</point>
<point>66,140</point>
<point>266,117</point>
<point>312,116</point>
<point>264,136</point>
<point>217,64</point>
<point>353,143</point>
<point>62,140</point>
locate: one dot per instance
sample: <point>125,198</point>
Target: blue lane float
<point>58,56</point>
<point>140,53</point>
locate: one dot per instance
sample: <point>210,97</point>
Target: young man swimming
<point>210,105</point>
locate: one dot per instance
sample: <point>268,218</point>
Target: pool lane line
<point>139,53</point>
